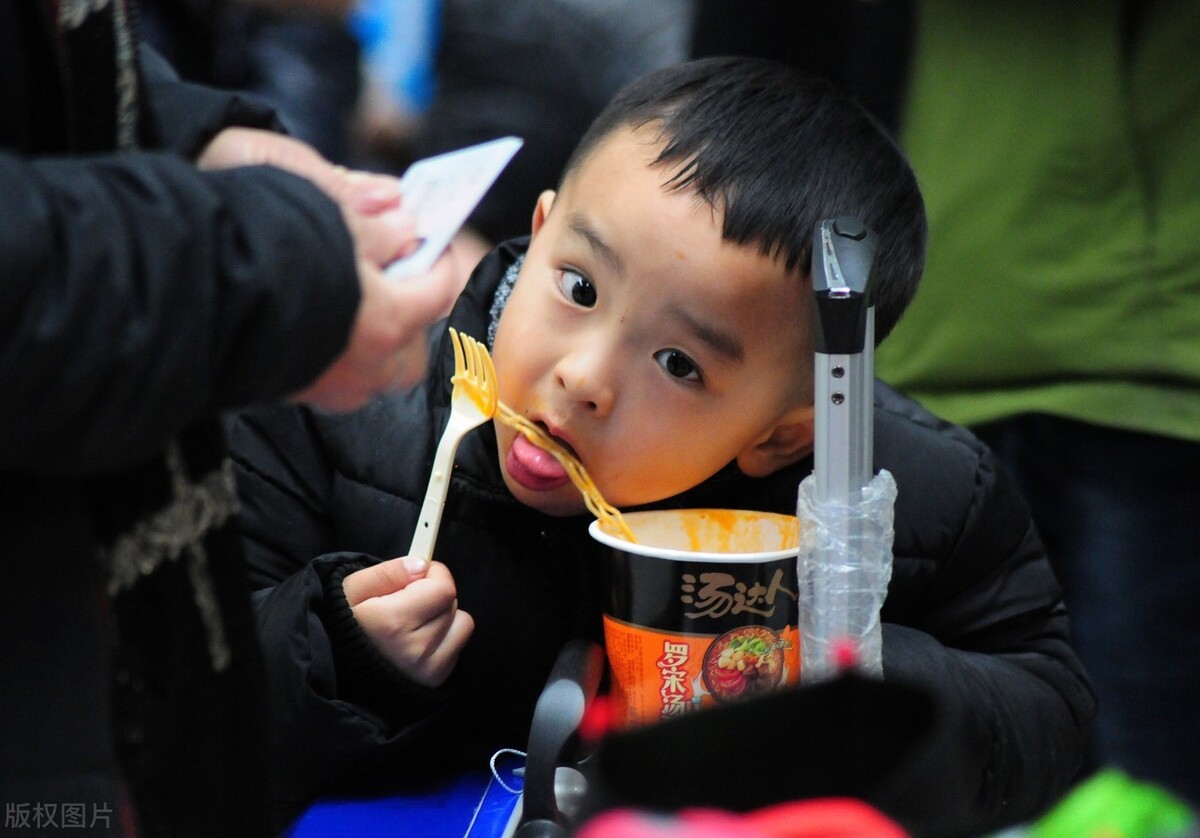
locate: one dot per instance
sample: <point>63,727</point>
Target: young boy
<point>658,323</point>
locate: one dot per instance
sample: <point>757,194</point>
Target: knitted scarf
<point>96,55</point>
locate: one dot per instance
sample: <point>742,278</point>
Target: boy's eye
<point>677,364</point>
<point>578,288</point>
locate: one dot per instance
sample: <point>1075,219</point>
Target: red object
<point>822,818</point>
<point>845,654</point>
<point>598,719</point>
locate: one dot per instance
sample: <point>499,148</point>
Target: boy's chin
<point>561,502</point>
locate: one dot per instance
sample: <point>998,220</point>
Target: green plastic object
<point>1110,804</point>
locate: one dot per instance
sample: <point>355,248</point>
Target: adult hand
<point>364,192</point>
<point>386,351</point>
<point>370,202</point>
<point>412,617</point>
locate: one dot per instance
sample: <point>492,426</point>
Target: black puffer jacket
<point>139,297</point>
<point>973,610</point>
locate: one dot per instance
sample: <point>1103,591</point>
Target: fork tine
<point>481,370</point>
<point>473,360</point>
<point>489,375</point>
<point>459,363</point>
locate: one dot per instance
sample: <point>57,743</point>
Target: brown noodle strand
<point>609,516</point>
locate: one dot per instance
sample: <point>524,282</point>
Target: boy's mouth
<point>534,467</point>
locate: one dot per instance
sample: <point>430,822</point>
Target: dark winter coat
<point>973,611</point>
<point>138,299</point>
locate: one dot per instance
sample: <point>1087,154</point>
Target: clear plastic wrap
<point>845,564</point>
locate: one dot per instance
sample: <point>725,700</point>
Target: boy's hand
<point>411,616</point>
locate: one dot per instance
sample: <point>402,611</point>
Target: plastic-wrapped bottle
<point>845,566</point>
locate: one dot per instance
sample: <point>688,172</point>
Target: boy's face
<point>651,347</point>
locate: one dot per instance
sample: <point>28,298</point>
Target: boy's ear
<point>791,439</point>
<point>542,209</point>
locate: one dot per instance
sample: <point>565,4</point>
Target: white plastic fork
<point>472,402</point>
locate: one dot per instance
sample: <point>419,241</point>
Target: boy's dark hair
<point>777,151</point>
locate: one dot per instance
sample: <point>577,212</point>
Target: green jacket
<point>1058,150</point>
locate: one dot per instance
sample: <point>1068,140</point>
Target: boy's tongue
<point>533,467</point>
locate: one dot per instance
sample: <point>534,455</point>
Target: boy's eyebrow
<point>579,225</point>
<point>719,340</point>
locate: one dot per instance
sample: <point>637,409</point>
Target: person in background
<point>539,71</point>
<point>1060,313</point>
<point>658,323</point>
<point>153,274</point>
<point>298,56</point>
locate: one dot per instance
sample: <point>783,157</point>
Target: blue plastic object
<point>470,806</point>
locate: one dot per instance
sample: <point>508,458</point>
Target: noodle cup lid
<point>716,535</point>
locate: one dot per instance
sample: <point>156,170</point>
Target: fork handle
<point>435,499</point>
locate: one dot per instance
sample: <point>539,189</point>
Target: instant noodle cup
<point>702,609</point>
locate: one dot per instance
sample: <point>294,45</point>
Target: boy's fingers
<point>381,579</point>
<point>460,632</point>
<point>422,605</point>
<point>440,664</point>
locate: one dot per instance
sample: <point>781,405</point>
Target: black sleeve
<point>341,708</point>
<point>138,295</point>
<point>182,117</point>
<point>990,640</point>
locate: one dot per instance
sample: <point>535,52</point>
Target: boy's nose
<point>583,377</point>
